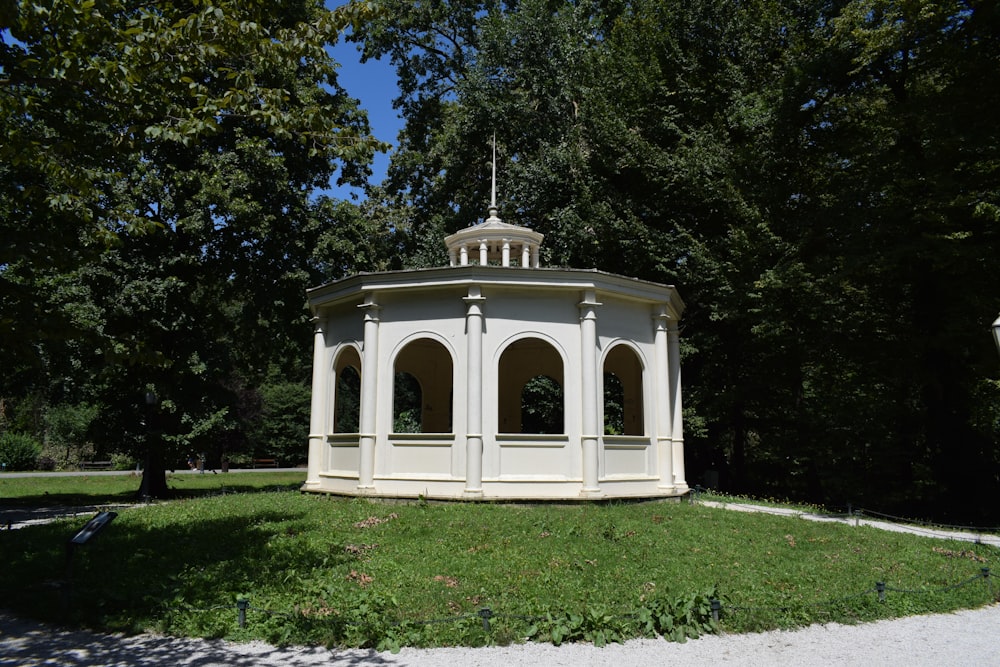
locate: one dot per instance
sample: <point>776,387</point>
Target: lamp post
<point>996,333</point>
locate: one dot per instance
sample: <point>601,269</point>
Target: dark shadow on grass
<point>24,642</point>
<point>134,576</point>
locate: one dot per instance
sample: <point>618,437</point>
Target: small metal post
<point>66,589</point>
<point>716,608</point>
<point>880,587</point>
<point>241,606</point>
<point>486,614</point>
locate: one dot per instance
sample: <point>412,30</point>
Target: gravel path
<point>968,638</point>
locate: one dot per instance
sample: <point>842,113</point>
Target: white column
<point>483,253</point>
<point>534,256</point>
<point>463,258</point>
<point>505,261</point>
<point>588,385</point>
<point>663,401</point>
<point>452,257</point>
<point>474,392</point>
<point>369,394</point>
<point>676,416</point>
<point>525,256</point>
<point>318,418</point>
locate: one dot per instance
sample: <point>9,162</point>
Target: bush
<point>282,430</point>
<point>19,451</point>
<point>66,427</point>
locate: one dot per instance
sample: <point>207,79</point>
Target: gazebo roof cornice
<point>354,287</point>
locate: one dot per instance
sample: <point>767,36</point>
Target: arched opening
<point>623,408</point>
<point>531,396</point>
<point>406,404</point>
<point>422,388</point>
<point>347,393</point>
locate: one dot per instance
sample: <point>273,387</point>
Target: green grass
<point>321,570</point>
<point>115,489</point>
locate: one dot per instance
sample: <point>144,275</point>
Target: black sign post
<point>83,536</point>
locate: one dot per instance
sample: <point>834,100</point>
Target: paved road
<point>96,473</point>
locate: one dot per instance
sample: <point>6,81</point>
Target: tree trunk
<point>154,473</point>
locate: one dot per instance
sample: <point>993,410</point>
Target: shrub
<point>66,427</point>
<point>283,427</point>
<point>19,451</point>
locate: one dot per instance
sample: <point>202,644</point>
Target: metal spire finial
<point>493,194</point>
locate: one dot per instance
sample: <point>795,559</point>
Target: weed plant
<point>321,570</point>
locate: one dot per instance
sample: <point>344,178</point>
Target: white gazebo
<point>495,378</point>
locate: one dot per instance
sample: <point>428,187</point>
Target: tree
<point>891,201</point>
<point>170,153</point>
<point>819,180</point>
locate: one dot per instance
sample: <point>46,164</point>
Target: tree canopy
<point>819,179</point>
<point>159,172</point>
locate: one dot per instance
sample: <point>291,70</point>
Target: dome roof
<point>494,242</point>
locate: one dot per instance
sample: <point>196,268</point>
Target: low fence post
<point>716,608</point>
<point>880,587</point>
<point>486,614</point>
<point>241,605</point>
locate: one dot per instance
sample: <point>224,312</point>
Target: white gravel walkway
<point>967,638</point>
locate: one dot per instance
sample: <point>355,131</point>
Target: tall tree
<point>819,179</point>
<point>892,205</point>
<point>170,153</point>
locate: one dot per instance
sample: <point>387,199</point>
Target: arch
<point>347,391</point>
<point>624,411</point>
<point>423,378</point>
<point>531,398</point>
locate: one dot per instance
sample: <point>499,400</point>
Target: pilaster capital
<point>370,308</point>
<point>588,305</point>
<point>664,319</point>
<point>474,299</point>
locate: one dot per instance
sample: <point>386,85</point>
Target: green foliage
<point>347,412</point>
<point>19,451</point>
<point>173,155</point>
<point>542,406</point>
<point>283,428</point>
<point>67,425</point>
<point>407,404</point>
<point>673,618</point>
<point>818,179</point>
<point>614,405</point>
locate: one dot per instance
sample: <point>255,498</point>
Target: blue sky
<point>374,83</point>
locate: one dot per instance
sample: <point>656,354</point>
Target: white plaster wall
<point>514,465</point>
<point>553,317</point>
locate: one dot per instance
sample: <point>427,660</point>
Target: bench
<point>95,465</point>
<point>265,463</point>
